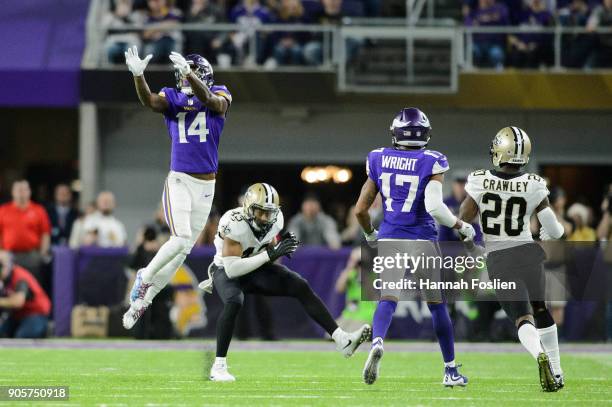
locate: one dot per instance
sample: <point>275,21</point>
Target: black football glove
<point>287,245</point>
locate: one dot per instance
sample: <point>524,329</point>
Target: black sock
<point>541,315</point>
<point>316,310</point>
<point>225,327</point>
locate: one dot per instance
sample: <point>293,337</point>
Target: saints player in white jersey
<point>506,198</point>
<point>247,247</point>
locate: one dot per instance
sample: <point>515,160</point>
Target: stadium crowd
<point>29,230</point>
<point>161,20</point>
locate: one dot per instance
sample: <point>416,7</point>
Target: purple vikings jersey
<point>401,177</point>
<point>194,131</point>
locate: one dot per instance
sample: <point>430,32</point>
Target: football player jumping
<point>409,178</point>
<point>244,263</point>
<point>506,198</point>
<point>194,113</point>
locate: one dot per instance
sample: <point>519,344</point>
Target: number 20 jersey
<point>401,177</point>
<point>233,225</point>
<point>506,203</point>
<point>194,131</point>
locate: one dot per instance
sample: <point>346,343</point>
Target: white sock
<point>528,335</point>
<point>449,364</point>
<point>220,361</point>
<point>164,255</point>
<point>550,343</point>
<point>163,276</point>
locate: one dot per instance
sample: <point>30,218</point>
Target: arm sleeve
<point>167,94</point>
<point>550,223</point>
<point>235,266</point>
<point>224,92</point>
<point>436,207</point>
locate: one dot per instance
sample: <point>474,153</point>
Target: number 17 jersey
<point>401,177</point>
<point>194,130</point>
<point>506,203</point>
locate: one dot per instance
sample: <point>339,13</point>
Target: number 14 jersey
<point>194,131</point>
<point>401,177</point>
<point>506,203</point>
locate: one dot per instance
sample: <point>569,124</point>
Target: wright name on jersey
<point>234,225</point>
<point>506,203</point>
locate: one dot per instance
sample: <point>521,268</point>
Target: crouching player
<point>247,247</point>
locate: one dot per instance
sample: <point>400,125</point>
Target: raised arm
<point>214,102</point>
<point>137,66</point>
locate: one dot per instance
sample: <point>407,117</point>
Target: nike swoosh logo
<point>348,344</point>
<point>206,196</point>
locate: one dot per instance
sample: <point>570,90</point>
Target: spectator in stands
<point>576,47</point>
<point>488,49</point>
<point>288,45</point>
<point>329,12</point>
<point>313,227</point>
<point>25,300</point>
<point>207,43</point>
<point>117,42</point>
<point>77,236</point>
<point>250,14</point>
<point>25,229</point>
<point>453,201</point>
<point>602,17</point>
<point>579,214</point>
<point>558,201</point>
<point>62,215</point>
<point>604,234</point>
<point>158,37</point>
<point>531,50</point>
<point>101,227</point>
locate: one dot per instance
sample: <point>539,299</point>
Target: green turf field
<point>174,378</point>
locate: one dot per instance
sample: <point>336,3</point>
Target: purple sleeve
<point>168,94</point>
<point>371,167</point>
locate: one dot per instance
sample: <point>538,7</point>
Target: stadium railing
<point>392,55</point>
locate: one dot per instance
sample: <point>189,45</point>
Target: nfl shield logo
<point>190,102</point>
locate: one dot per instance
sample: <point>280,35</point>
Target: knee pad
<point>182,244</point>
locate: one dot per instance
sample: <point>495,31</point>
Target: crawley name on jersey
<point>401,177</point>
<point>506,203</point>
<point>194,130</point>
<point>234,225</point>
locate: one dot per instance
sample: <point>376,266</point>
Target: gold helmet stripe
<point>269,194</point>
<point>518,141</point>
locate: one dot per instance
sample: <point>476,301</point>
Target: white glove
<point>134,63</point>
<point>180,63</point>
<point>371,237</point>
<point>544,236</point>
<point>467,231</point>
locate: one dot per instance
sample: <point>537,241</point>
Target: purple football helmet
<point>410,128</point>
<point>200,67</point>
